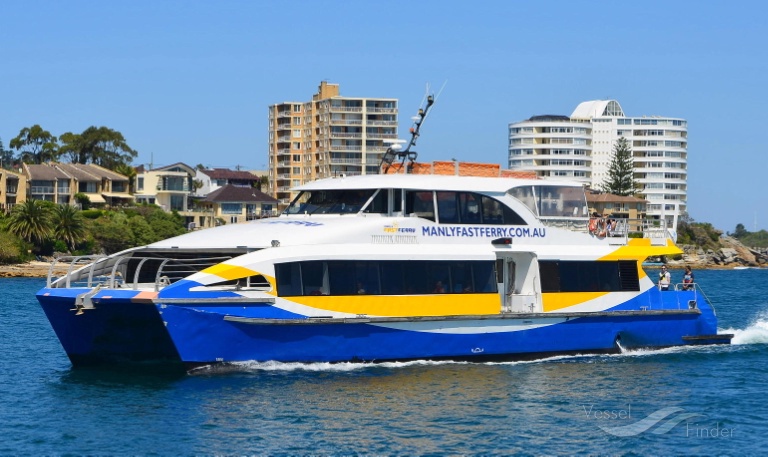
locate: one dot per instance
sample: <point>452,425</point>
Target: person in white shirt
<point>665,279</point>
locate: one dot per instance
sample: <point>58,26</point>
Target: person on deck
<point>688,279</point>
<point>665,279</point>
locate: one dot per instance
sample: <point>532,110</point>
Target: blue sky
<point>191,81</point>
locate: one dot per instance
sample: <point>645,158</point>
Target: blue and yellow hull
<point>130,326</point>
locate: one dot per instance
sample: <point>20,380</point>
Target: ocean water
<point>692,401</point>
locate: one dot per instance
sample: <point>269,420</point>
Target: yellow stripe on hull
<point>229,272</point>
<point>405,305</point>
<point>561,300</point>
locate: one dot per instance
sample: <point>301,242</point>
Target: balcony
<point>382,110</point>
<point>382,135</point>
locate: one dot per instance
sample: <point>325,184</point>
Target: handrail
<point>695,288</point>
<point>103,270</point>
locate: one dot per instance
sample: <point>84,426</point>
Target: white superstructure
<point>580,147</point>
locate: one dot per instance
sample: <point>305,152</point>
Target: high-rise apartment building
<point>328,136</point>
<point>580,148</point>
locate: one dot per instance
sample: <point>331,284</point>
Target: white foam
<point>756,333</point>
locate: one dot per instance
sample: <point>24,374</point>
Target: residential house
<point>46,182</point>
<point>168,187</point>
<point>111,188</point>
<point>216,178</point>
<point>171,187</point>
<point>234,204</point>
<point>13,189</point>
<point>605,204</point>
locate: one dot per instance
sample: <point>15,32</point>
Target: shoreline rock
<point>33,269</point>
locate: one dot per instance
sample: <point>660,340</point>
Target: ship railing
<point>697,290</point>
<point>621,229</point>
<point>111,272</point>
<point>574,224</point>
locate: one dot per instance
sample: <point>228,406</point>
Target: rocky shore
<point>31,270</point>
<point>732,254</point>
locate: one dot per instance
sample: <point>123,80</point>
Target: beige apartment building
<point>328,136</point>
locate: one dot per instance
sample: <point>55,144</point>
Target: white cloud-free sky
<point>191,81</point>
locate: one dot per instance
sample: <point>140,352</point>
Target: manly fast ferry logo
<point>483,231</point>
<point>395,229</point>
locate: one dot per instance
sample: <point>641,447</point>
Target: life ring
<point>593,225</point>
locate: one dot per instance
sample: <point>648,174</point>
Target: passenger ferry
<point>380,268</point>
<point>384,267</point>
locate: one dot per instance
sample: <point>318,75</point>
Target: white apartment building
<point>328,136</point>
<point>580,148</point>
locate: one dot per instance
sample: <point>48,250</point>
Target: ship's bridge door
<point>518,280</point>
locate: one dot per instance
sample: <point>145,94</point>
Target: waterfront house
<point>46,182</point>
<point>13,189</point>
<point>233,204</point>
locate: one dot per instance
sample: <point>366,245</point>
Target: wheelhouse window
<point>337,201</point>
<point>385,277</point>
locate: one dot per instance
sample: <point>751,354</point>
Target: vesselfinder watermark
<point>624,422</point>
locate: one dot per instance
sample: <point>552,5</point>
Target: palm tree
<point>31,221</point>
<point>129,172</point>
<point>68,225</point>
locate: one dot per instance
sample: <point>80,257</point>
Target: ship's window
<point>552,201</point>
<point>249,282</point>
<point>495,212</point>
<point>353,277</point>
<point>472,208</point>
<point>397,200</point>
<point>380,203</point>
<point>447,208</point>
<point>589,276</point>
<point>288,279</point>
<point>420,204</point>
<point>338,201</point>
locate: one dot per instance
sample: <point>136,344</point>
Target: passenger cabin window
<point>420,204</point>
<point>473,208</point>
<point>589,276</point>
<point>385,277</point>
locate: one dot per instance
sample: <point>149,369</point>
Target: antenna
<point>394,152</point>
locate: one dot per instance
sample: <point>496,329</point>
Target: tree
<point>129,172</point>
<point>262,183</point>
<point>621,180</point>
<point>31,221</point>
<point>98,145</point>
<point>740,231</point>
<point>112,233</point>
<point>6,156</point>
<point>35,145</point>
<point>68,224</point>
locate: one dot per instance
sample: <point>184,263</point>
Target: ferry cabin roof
<point>431,182</point>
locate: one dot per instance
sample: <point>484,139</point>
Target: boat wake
<point>755,333</point>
